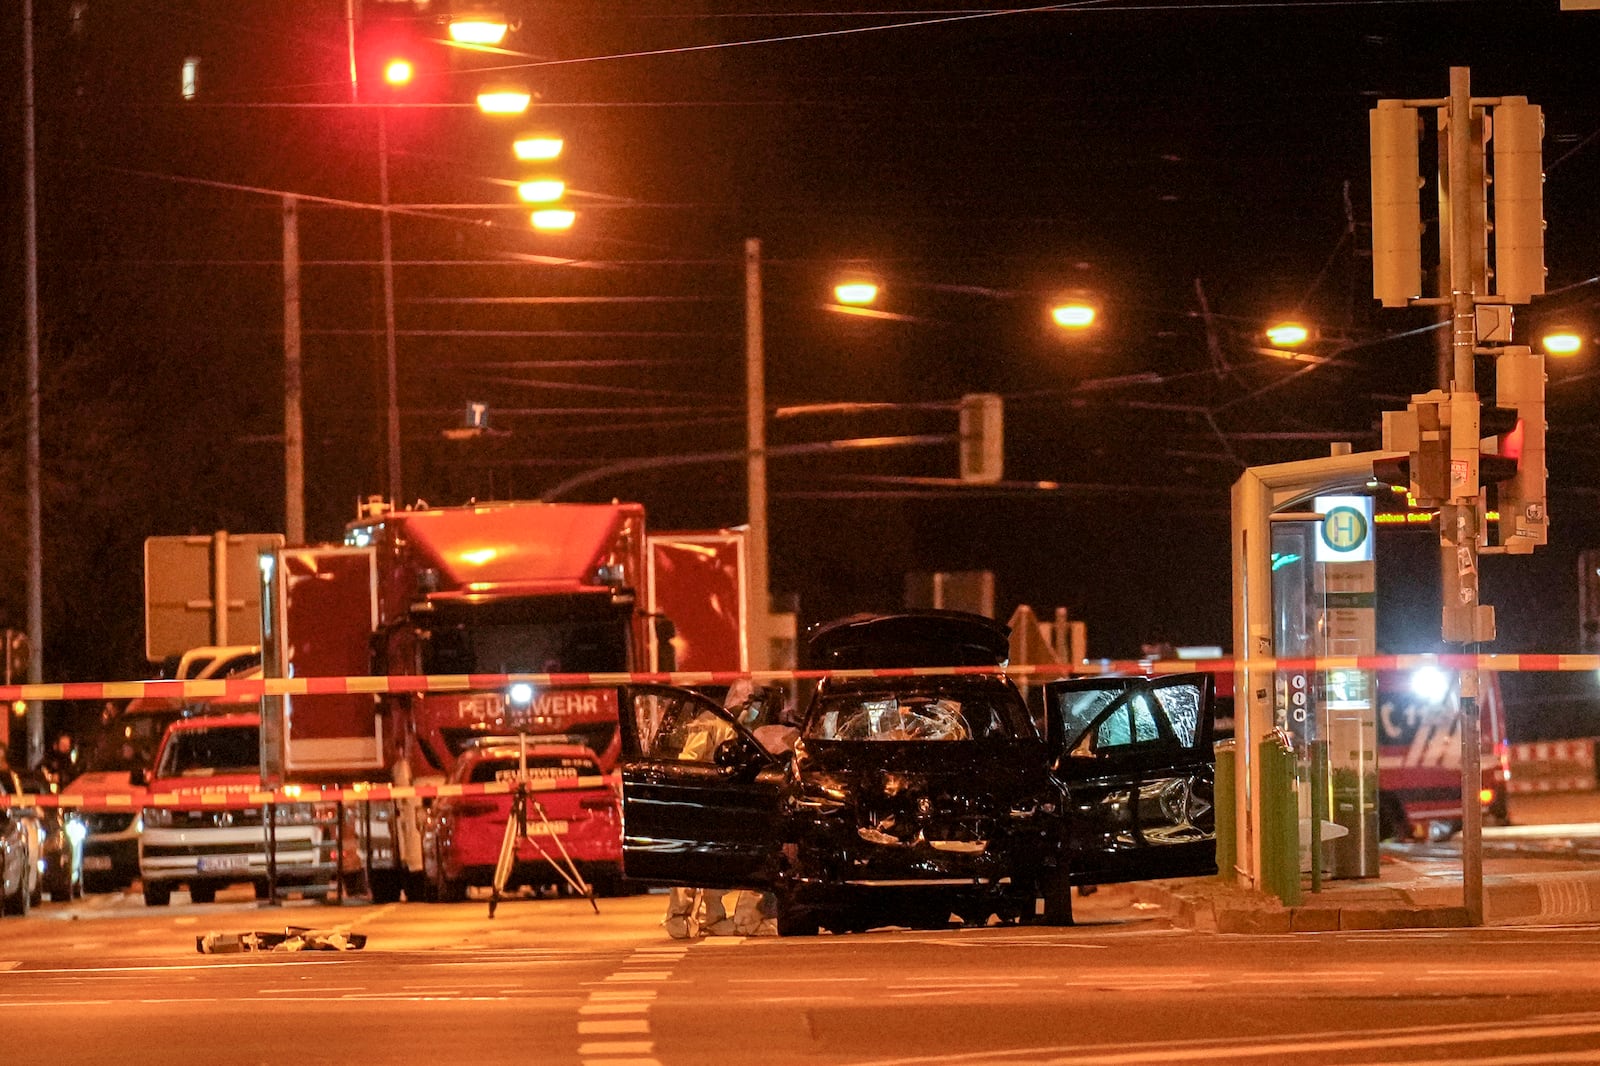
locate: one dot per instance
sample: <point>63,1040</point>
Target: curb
<point>1209,905</point>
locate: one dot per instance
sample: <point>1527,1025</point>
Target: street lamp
<point>504,100</point>
<point>537,148</point>
<point>1288,334</point>
<point>856,292</point>
<point>1073,314</point>
<point>542,190</point>
<point>1561,340</point>
<point>553,219</point>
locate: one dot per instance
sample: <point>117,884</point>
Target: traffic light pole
<point>1461,518</point>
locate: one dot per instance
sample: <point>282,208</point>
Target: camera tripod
<point>517,829</point>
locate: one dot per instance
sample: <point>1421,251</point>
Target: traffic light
<point>1396,204</point>
<point>1518,199</point>
<point>982,429</point>
<point>1519,387</point>
<point>1421,432</point>
<point>397,61</point>
<point>19,654</point>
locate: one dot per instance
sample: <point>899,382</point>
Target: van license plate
<point>222,864</point>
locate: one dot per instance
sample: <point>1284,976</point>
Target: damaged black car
<point>908,798</point>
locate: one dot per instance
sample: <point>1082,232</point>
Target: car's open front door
<point>700,796</point>
<point>1136,760</point>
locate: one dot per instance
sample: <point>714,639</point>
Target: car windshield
<point>204,752</point>
<point>128,741</point>
<point>566,647</point>
<point>938,715</point>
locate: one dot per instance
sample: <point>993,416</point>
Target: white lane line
<point>621,1062</point>
<point>634,1007</point>
<point>613,994</point>
<point>617,1047</point>
<point>639,975</point>
<point>614,1025</point>
<point>9,965</point>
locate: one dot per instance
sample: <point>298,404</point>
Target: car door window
<point>1080,709</point>
<point>1181,705</point>
<point>1136,721</point>
<point>675,726</point>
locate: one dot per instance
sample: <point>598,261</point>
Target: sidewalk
<point>1409,893</point>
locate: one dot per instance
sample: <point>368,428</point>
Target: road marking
<point>9,965</point>
<point>617,1047</point>
<point>620,994</point>
<point>631,1007</point>
<point>615,1025</point>
<point>1273,1049</point>
<point>639,975</point>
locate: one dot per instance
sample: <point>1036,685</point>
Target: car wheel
<point>796,921</point>
<point>449,890</point>
<point>385,885</point>
<point>157,894</point>
<point>36,897</point>
<point>262,892</point>
<point>1391,818</point>
<point>203,893</point>
<point>16,903</point>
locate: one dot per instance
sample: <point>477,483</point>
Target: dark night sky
<point>1176,160</point>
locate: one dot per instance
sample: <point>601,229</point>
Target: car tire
<point>796,921</point>
<point>17,903</point>
<point>202,893</point>
<point>262,892</point>
<point>1391,819</point>
<point>449,890</point>
<point>98,883</point>
<point>385,886</point>
<point>157,894</point>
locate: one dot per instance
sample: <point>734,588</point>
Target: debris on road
<point>293,938</point>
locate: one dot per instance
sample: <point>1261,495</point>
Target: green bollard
<point>1223,800</point>
<point>1280,818</point>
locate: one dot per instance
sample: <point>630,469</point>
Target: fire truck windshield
<point>526,648</point>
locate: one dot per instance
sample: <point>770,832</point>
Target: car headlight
<point>160,817</point>
<point>76,831</point>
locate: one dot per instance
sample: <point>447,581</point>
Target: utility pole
<point>755,407</point>
<point>1462,517</point>
<point>1457,446</point>
<point>30,225</point>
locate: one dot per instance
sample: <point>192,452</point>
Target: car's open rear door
<point>1136,759</point>
<point>701,799</point>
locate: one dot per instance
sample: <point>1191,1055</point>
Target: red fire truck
<point>485,589</point>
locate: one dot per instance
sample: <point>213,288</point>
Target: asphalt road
<point>548,981</point>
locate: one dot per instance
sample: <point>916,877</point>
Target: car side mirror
<point>138,776</point>
<point>732,754</point>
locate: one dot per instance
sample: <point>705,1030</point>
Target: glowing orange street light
<point>1288,334</point>
<point>551,219</point>
<point>1561,340</point>
<point>542,190</point>
<point>504,100</point>
<point>537,148</point>
<point>856,292</point>
<point>478,30</point>
<point>1073,314</point>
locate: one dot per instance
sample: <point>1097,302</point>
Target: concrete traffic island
<point>1408,894</point>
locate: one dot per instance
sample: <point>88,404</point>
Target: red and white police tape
<point>241,689</point>
<point>243,796</point>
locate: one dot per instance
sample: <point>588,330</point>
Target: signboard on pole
<point>203,590</point>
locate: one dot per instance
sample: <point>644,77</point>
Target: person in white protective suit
<point>696,912</point>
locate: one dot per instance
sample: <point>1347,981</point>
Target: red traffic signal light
<point>397,62</point>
